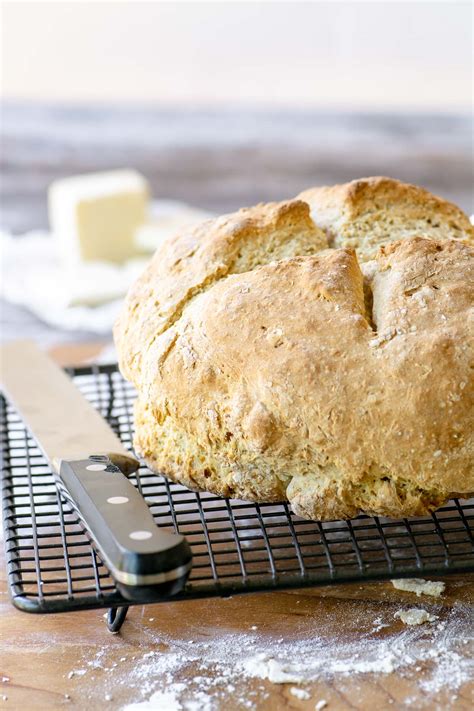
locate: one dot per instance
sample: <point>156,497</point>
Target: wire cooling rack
<point>237,546</point>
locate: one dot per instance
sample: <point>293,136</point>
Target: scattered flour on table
<point>233,670</point>
<point>300,693</point>
<point>169,700</point>
<point>163,700</point>
<point>419,586</point>
<point>379,625</point>
<point>415,616</point>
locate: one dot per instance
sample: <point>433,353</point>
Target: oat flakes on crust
<point>268,367</point>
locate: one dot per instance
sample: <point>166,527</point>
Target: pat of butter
<point>94,216</point>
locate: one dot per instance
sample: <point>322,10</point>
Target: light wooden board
<point>39,652</point>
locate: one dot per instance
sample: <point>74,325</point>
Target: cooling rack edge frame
<point>114,600</point>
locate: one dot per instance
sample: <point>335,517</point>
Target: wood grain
<point>223,160</point>
<point>39,652</point>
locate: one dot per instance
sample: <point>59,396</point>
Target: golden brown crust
<point>269,367</point>
<point>369,212</point>
<point>187,265</point>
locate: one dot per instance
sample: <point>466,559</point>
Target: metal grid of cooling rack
<point>237,546</point>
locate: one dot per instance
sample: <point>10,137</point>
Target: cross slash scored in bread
<point>318,350</point>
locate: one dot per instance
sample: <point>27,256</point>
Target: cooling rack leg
<point>115,618</point>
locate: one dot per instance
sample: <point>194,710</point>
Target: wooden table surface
<point>40,653</point>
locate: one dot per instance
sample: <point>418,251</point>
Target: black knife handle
<point>137,552</point>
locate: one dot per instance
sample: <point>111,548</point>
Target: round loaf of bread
<point>275,359</point>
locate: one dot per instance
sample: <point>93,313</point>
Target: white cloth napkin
<point>89,297</point>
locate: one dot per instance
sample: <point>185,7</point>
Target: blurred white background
<point>352,55</point>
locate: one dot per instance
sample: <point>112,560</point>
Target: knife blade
<point>89,462</point>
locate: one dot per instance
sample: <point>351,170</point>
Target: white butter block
<point>94,217</point>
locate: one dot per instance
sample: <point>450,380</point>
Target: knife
<point>89,463</point>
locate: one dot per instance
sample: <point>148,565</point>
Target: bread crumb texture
<point>318,350</point>
<point>370,212</point>
<point>419,586</point>
<point>415,616</point>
